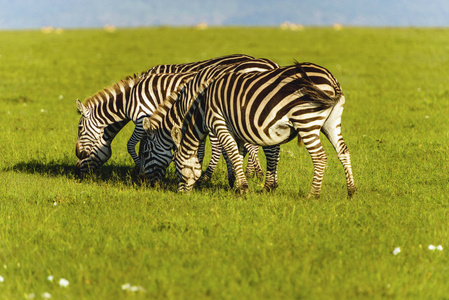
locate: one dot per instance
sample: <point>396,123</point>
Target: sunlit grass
<point>110,237</point>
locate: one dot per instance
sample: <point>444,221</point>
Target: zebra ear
<point>146,124</point>
<point>176,134</point>
<point>81,108</point>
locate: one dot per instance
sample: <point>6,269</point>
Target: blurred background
<point>27,14</point>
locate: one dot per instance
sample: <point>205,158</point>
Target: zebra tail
<point>312,93</point>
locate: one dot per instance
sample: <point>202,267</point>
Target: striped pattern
<point>172,111</point>
<point>108,111</point>
<point>266,109</point>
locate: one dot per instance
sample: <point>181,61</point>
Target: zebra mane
<point>116,88</point>
<point>163,109</point>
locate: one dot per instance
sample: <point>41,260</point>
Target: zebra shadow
<point>114,174</point>
<point>108,173</point>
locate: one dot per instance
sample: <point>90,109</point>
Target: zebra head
<point>156,152</point>
<point>92,147</point>
<point>188,167</point>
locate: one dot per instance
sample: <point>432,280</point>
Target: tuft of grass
<point>109,229</point>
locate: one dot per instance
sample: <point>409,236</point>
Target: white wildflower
<point>50,278</point>
<point>396,251</point>
<point>30,296</point>
<point>432,247</point>
<point>46,295</point>
<point>132,288</point>
<point>61,97</point>
<point>439,247</point>
<point>63,282</point>
<point>2,279</point>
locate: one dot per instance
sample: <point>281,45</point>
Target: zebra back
<point>197,66</point>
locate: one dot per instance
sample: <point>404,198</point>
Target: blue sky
<point>23,14</point>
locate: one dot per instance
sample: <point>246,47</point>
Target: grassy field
<point>106,231</point>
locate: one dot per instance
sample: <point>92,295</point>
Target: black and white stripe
<point>107,112</point>
<point>266,109</point>
<point>172,111</point>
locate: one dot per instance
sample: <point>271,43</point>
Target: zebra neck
<point>109,105</point>
<point>112,130</point>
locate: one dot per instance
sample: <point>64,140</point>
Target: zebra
<point>170,113</point>
<point>268,109</point>
<point>104,114</point>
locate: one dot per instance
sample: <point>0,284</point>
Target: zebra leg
<point>272,154</point>
<point>201,151</point>
<point>313,145</point>
<point>216,153</point>
<point>253,166</point>
<point>232,150</point>
<point>142,154</point>
<point>231,175</point>
<point>332,129</point>
<point>132,142</point>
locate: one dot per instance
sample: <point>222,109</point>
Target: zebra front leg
<point>201,151</point>
<point>231,175</point>
<point>216,153</point>
<point>253,166</point>
<point>134,139</point>
<point>272,154</point>
<point>132,142</point>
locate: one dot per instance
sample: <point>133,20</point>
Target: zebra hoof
<point>249,173</point>
<point>243,190</point>
<point>313,196</point>
<point>231,181</point>
<point>352,192</point>
<point>269,188</point>
<point>204,179</point>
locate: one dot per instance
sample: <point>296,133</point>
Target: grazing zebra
<point>108,111</point>
<point>171,112</point>
<point>266,109</point>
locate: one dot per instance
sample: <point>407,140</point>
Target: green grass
<point>107,230</point>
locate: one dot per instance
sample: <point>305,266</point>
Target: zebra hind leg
<point>332,129</point>
<point>253,166</point>
<point>345,159</point>
<point>272,154</point>
<point>314,147</point>
<point>232,150</point>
